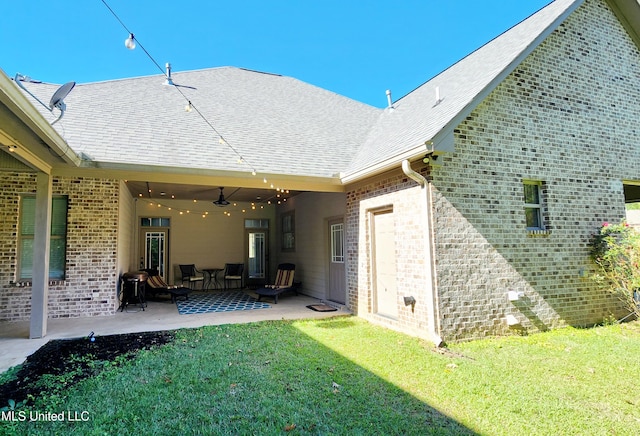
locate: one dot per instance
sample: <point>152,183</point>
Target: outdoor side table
<point>211,278</point>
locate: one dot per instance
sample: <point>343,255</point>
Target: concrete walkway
<point>15,344</point>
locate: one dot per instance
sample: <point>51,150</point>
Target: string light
<point>130,43</point>
<point>203,213</point>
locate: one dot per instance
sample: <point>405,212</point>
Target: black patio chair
<point>191,275</point>
<point>233,272</point>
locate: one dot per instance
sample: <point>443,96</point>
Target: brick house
<point>463,209</point>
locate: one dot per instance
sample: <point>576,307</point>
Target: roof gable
<point>417,118</point>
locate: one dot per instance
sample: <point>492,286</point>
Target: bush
<point>615,250</point>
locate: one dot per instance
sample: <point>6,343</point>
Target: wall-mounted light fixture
<point>429,158</point>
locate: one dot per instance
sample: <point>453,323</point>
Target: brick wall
<point>89,288</point>
<point>401,196</point>
<point>567,117</point>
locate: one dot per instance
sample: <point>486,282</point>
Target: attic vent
<point>389,100</point>
<point>438,98</point>
<point>169,81</point>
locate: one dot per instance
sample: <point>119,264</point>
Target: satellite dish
<point>57,100</point>
<point>59,95</point>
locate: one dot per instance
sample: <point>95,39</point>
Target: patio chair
<point>156,285</point>
<point>283,283</point>
<point>233,272</point>
<point>191,275</point>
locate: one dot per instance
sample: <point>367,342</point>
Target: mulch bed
<point>77,357</point>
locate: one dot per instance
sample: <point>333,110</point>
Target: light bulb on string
<point>130,42</point>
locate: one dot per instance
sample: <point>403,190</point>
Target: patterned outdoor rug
<point>218,302</point>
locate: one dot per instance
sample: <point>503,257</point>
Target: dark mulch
<point>76,358</point>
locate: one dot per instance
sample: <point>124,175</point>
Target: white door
<point>257,256</point>
<point>337,278</point>
<point>155,251</point>
<point>385,291</point>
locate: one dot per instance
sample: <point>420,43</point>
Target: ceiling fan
<point>221,202</point>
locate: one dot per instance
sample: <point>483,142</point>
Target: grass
<point>345,376</point>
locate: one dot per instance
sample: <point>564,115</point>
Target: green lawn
<point>345,376</point>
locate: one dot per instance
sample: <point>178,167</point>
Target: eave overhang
<point>38,144</point>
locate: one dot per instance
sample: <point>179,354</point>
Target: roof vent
<point>169,81</point>
<point>389,100</point>
<point>438,98</point>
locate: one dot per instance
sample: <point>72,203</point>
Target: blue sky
<point>354,48</point>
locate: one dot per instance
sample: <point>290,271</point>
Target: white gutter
<point>433,322</point>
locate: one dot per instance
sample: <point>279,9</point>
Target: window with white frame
<point>337,245</point>
<point>58,243</point>
<point>533,205</point>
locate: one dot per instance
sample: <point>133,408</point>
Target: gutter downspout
<point>432,312</point>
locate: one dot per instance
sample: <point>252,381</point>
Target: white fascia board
<point>166,174</point>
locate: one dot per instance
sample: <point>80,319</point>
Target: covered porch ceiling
<point>232,193</point>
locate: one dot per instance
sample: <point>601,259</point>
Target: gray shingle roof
<point>416,117</point>
<point>281,125</point>
<point>278,124</point>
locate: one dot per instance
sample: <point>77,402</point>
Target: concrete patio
<point>158,315</point>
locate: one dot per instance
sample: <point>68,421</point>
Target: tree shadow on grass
<point>262,378</point>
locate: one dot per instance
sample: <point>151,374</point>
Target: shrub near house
<point>615,250</point>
